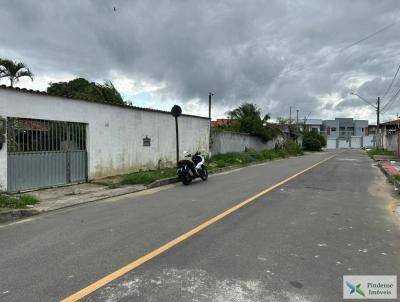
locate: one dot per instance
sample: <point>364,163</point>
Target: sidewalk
<point>392,171</point>
<point>56,198</point>
<point>68,196</point>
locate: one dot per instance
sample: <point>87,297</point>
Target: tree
<point>82,88</point>
<point>14,71</point>
<point>247,118</point>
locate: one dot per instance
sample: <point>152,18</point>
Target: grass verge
<point>147,177</point>
<point>215,162</point>
<point>16,201</point>
<point>377,151</point>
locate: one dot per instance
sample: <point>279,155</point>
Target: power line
<point>368,37</point>
<point>391,83</point>
<point>390,102</point>
<point>308,66</point>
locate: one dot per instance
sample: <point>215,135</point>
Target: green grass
<point>16,201</point>
<point>397,177</point>
<point>244,158</point>
<point>377,151</point>
<point>147,177</point>
<point>213,163</point>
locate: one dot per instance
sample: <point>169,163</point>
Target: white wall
<point>226,141</point>
<point>3,167</point>
<point>115,134</point>
<point>368,141</point>
<point>391,142</point>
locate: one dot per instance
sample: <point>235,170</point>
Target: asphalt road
<point>292,244</point>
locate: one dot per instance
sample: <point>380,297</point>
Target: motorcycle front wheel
<point>204,174</point>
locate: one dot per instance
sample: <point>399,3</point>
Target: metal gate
<point>45,153</point>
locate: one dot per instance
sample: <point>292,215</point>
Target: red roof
<point>390,123</point>
<point>221,122</point>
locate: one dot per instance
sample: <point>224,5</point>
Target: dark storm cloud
<point>274,53</point>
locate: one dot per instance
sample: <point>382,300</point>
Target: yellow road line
<point>131,266</point>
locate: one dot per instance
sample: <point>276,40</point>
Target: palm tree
<point>14,71</point>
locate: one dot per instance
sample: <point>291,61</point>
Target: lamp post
<point>176,111</point>
<point>209,104</point>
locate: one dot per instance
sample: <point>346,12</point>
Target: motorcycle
<point>188,169</point>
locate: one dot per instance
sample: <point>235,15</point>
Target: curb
<point>394,182</point>
<point>9,215</point>
<point>15,214</point>
<point>390,177</point>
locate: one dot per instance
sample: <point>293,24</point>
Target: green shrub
<point>311,144</point>
<point>308,135</point>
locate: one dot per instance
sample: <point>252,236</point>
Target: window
<point>333,129</point>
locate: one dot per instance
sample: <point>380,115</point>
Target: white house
<point>53,140</point>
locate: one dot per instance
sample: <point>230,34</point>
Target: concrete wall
<point>368,141</point>
<point>225,141</point>
<point>391,142</point>
<point>114,134</point>
<point>352,142</point>
<point>3,167</point>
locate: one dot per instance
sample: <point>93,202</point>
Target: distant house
<point>388,129</point>
<point>345,128</point>
<point>314,125</point>
<point>221,122</point>
<point>390,126</point>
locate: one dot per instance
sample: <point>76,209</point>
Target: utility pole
<point>297,116</point>
<point>378,109</point>
<point>290,115</point>
<point>398,125</point>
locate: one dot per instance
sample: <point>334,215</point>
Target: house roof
<point>38,92</point>
<point>221,122</point>
<point>390,123</point>
<point>314,121</point>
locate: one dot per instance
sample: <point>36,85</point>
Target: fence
<point>226,141</point>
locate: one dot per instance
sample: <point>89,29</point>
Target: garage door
<point>344,143</point>
<point>331,143</point>
<point>356,142</point>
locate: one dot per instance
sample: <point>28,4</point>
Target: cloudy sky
<point>158,53</point>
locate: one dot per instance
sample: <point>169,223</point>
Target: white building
<point>53,140</point>
<point>346,133</point>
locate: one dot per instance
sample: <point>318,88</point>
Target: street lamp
<point>209,104</point>
<point>176,111</point>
